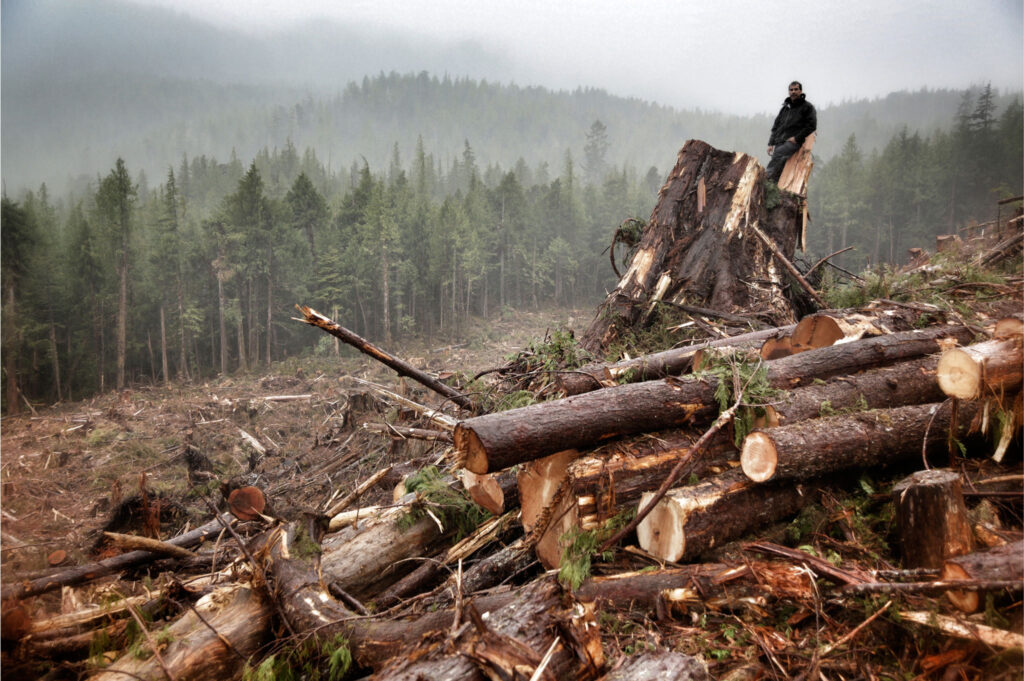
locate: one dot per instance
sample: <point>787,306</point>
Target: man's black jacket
<point>796,119</point>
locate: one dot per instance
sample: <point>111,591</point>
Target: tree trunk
<point>122,321</point>
<point>237,616</point>
<point>988,369</point>
<point>365,561</point>
<point>243,364</point>
<point>495,441</point>
<point>657,365</point>
<point>183,371</point>
<point>702,253</point>
<point>539,626</point>
<point>1001,564</point>
<point>862,440</point>
<point>932,519</point>
<point>55,356</point>
<point>690,520</point>
<point>11,361</point>
<point>221,304</point>
<point>660,665</point>
<point>164,367</point>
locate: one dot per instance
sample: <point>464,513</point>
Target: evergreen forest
<point>121,280</point>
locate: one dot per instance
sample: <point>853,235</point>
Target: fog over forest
<point>85,83</point>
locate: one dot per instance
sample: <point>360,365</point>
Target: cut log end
<point>661,533</point>
<point>965,601</point>
<point>959,375</point>
<point>759,457</point>
<point>472,454</point>
<point>485,491</point>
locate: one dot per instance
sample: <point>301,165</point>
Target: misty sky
<point>735,56</point>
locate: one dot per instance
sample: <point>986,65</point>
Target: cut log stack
<point>855,396</point>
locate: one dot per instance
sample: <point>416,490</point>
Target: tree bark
<point>862,440</point>
<point>197,648</point>
<point>1003,563</point>
<point>690,520</point>
<point>657,365</point>
<point>702,252</point>
<point>536,631</point>
<point>495,441</point>
<point>932,519</point>
<point>660,665</point>
<point>988,369</point>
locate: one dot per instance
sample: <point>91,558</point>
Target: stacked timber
<point>853,395</point>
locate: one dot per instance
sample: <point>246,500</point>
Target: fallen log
<point>988,369</point>
<point>862,440</point>
<point>690,520</point>
<point>660,665</point>
<point>86,573</point>
<point>1002,563</point>
<point>657,365</point>
<point>363,562</point>
<point>214,640</point>
<point>931,518</point>
<point>314,318</point>
<point>489,443</point>
<point>537,635</point>
<point>488,572</point>
<point>701,252</point>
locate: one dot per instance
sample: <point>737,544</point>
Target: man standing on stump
<point>795,122</point>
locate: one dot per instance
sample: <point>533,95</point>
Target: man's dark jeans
<point>779,157</point>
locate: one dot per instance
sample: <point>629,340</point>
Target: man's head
<point>795,90</point>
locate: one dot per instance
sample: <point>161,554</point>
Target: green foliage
<point>451,505</point>
<point>305,661</point>
<point>581,545</point>
<point>752,378</point>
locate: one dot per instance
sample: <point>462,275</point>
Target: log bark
<point>690,520</point>
<point>660,665</point>
<point>236,615</point>
<point>495,441</point>
<point>1003,563</point>
<point>86,573</point>
<point>657,365</point>
<point>488,572</point>
<point>988,369</point>
<point>932,519</point>
<point>536,635</point>
<point>862,440</point>
<point>363,562</point>
<point>702,253</point>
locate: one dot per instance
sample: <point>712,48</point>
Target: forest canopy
<point>120,280</point>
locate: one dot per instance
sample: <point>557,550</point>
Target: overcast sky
<point>735,56</point>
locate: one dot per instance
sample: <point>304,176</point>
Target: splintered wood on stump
<point>704,255</point>
<point>932,519</point>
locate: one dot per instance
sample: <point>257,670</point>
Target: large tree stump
<point>932,519</point>
<point>697,248</point>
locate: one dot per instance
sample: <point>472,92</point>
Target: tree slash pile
<point>743,469</point>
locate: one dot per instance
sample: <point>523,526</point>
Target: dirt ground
<point>70,471</point>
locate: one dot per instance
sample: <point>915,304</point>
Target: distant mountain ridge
<point>85,83</point>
